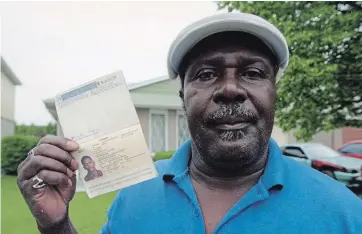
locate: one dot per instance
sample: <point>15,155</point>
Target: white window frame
<point>157,111</point>
<point>178,112</point>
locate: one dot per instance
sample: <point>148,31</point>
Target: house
<point>9,81</point>
<point>164,125</point>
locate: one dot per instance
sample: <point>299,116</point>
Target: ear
<point>181,94</point>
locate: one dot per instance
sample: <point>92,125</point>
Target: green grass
<point>163,155</point>
<point>88,215</point>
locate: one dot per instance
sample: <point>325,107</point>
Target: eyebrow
<point>241,61</point>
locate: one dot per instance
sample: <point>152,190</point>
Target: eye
<point>207,74</point>
<point>252,74</point>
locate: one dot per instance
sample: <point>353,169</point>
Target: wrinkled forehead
<point>230,42</point>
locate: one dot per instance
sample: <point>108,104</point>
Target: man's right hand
<point>50,161</point>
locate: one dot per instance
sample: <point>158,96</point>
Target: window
<point>182,129</point>
<point>352,149</point>
<point>158,131</point>
<point>293,152</point>
<point>318,150</point>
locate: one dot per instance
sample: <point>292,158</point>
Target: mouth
<point>232,126</point>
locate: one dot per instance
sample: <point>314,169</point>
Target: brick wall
<point>350,134</point>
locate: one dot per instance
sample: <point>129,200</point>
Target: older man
<point>230,177</point>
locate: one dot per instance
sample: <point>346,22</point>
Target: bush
<point>163,155</point>
<point>14,149</point>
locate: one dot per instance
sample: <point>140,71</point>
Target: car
<point>346,170</point>
<point>352,149</point>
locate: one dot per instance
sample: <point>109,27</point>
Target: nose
<point>230,89</point>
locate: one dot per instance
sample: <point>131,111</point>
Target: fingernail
<point>74,164</point>
<point>72,145</point>
<point>70,173</point>
<point>70,183</point>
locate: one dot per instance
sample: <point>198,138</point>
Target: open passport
<point>101,118</point>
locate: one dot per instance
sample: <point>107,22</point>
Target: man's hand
<point>51,162</point>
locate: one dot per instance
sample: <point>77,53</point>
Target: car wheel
<point>328,173</point>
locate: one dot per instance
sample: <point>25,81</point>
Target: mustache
<point>233,110</point>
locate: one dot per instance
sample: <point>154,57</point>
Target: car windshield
<point>315,151</point>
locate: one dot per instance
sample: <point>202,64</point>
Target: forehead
<point>87,160</point>
<point>242,45</point>
<point>232,56</point>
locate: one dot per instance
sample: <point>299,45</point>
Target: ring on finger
<point>39,183</point>
<point>31,152</point>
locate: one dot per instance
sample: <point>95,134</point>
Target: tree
<point>322,87</point>
<point>32,129</point>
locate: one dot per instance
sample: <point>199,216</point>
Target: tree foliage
<point>14,149</point>
<point>27,130</point>
<point>322,87</point>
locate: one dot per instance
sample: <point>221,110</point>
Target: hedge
<point>163,155</point>
<point>14,149</point>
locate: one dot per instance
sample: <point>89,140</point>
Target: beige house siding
<point>172,130</point>
<point>7,97</point>
<point>143,116</point>
<point>170,87</point>
<point>7,127</point>
<point>7,106</point>
<point>8,83</point>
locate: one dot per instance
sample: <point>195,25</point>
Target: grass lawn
<point>88,215</point>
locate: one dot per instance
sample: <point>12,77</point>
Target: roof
<point>5,68</point>
<point>147,82</point>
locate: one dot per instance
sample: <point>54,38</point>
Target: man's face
<point>88,164</point>
<point>229,98</point>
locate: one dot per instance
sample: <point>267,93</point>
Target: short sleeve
<point>106,228</point>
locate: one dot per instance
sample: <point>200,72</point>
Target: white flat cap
<point>227,22</point>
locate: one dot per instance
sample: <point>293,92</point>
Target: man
<point>230,177</point>
<point>89,165</point>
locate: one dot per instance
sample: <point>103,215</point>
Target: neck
<point>245,177</point>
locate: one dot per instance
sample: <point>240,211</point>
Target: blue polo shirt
<point>289,198</point>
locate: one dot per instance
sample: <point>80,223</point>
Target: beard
<point>232,135</point>
<point>230,150</point>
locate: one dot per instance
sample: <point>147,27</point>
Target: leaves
<point>322,87</point>
<point>27,130</point>
<point>14,150</point>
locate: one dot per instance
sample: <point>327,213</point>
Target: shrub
<point>163,155</point>
<point>14,150</point>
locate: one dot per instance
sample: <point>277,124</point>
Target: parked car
<point>352,149</point>
<point>346,170</point>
